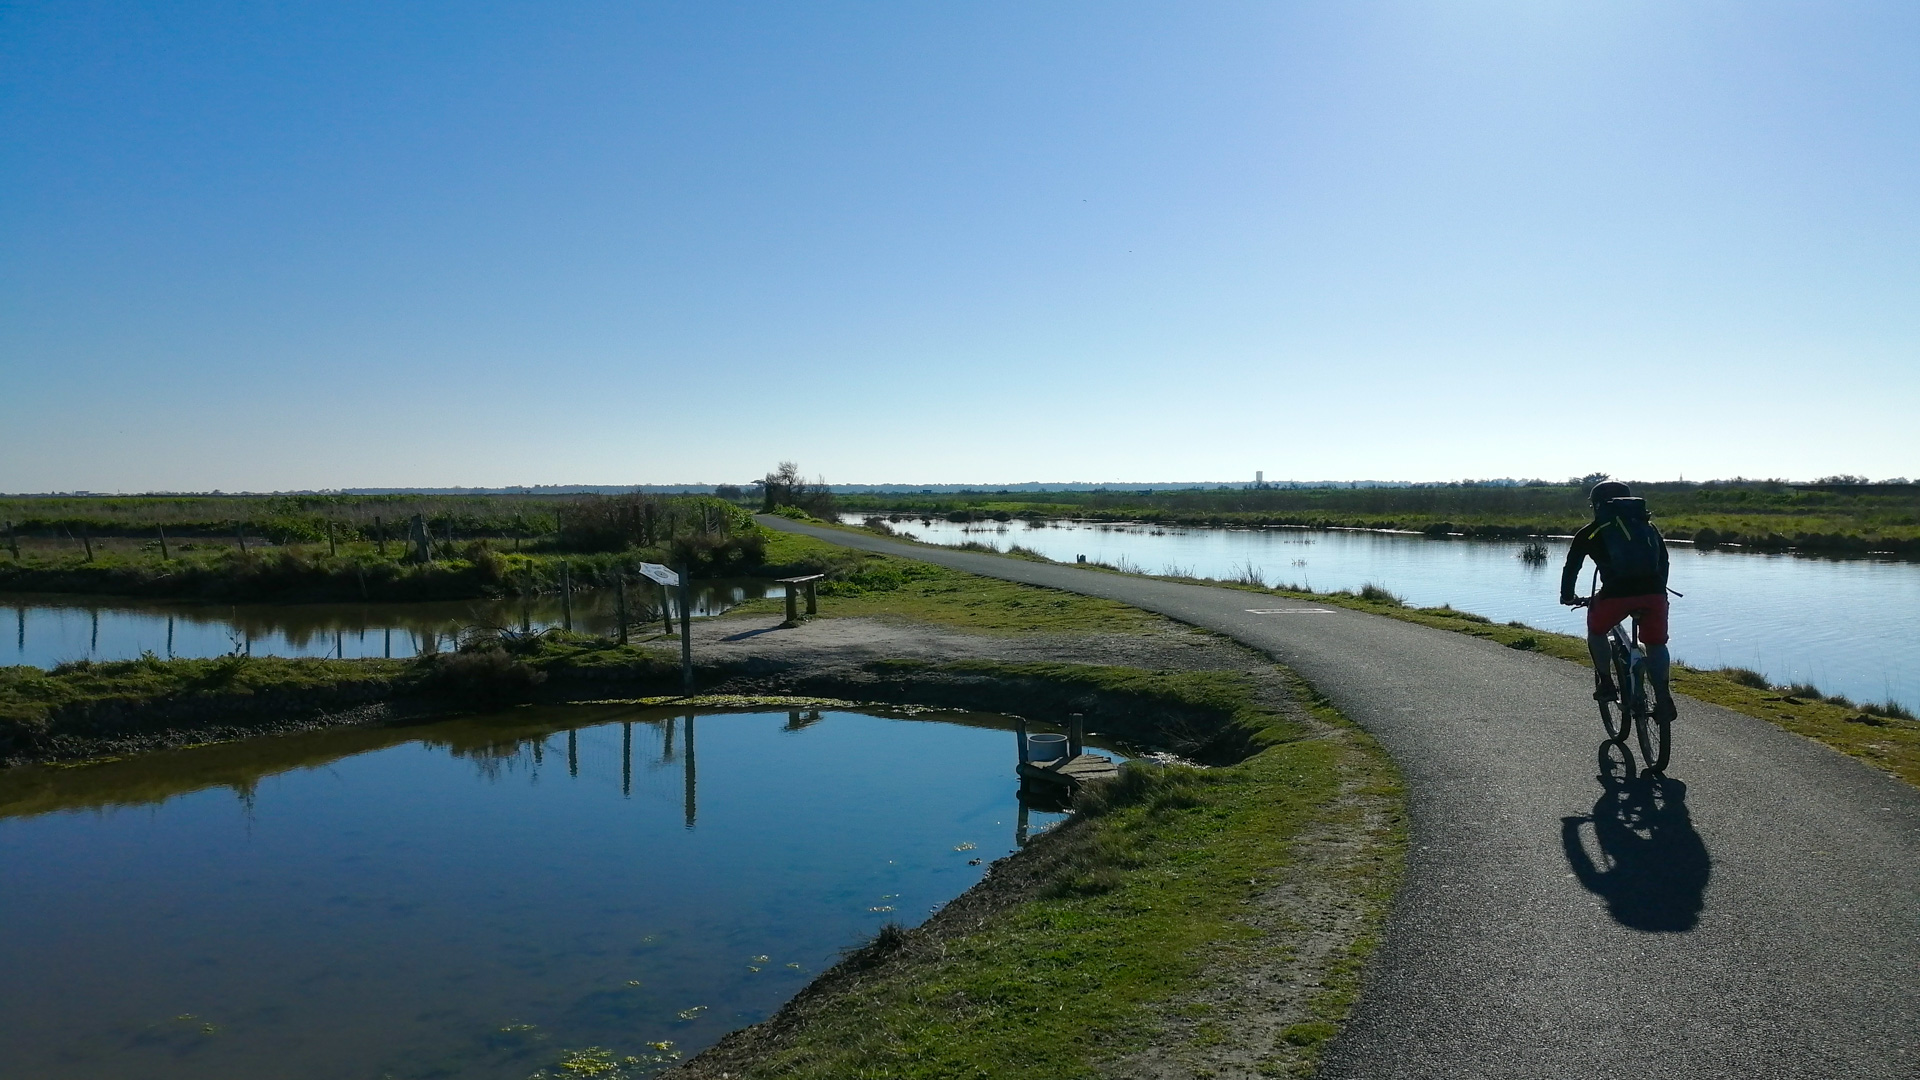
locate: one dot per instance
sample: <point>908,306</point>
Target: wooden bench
<point>793,599</point>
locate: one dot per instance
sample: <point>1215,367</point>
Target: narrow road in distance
<point>1757,915</point>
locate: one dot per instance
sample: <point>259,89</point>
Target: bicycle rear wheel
<point>1617,716</point>
<point>1654,734</point>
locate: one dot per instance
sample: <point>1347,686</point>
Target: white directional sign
<point>659,573</point>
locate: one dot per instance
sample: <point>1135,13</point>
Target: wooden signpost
<point>667,578</point>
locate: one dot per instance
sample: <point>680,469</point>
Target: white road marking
<point>1289,611</point>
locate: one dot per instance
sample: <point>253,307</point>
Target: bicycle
<point>1629,714</point>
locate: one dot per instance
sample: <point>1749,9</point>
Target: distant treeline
<point>468,548</point>
<point>1839,518</point>
<point>305,519</point>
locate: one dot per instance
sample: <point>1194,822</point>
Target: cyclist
<point>1632,558</point>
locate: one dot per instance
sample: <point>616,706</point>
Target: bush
<point>484,675</point>
<point>1380,595</point>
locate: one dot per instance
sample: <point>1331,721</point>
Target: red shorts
<point>1650,609</point>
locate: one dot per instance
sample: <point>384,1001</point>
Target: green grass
<point>35,703</point>
<point>1146,887</point>
<point>862,583</point>
<point>314,572</point>
<point>28,696</point>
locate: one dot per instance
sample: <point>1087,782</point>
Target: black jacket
<point>1587,545</point>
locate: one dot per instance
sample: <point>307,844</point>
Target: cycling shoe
<point>1664,711</point>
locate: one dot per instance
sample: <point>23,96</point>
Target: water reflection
<point>469,898</point>
<point>51,629</point>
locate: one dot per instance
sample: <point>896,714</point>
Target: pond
<point>50,629</point>
<point>476,897</point>
<point>1847,626</point>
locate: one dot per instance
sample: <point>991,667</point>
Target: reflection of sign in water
<point>659,573</point>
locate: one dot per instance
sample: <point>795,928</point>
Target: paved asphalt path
<point>1755,916</point>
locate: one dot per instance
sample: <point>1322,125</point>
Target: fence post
<point>86,540</point>
<point>566,597</point>
<point>163,543</point>
<point>333,546</point>
<point>422,544</point>
<point>13,542</point>
<point>686,644</point>
<point>620,603</point>
<point>240,531</point>
<point>379,536</point>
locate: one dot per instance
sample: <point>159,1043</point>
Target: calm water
<point>43,630</point>
<point>1850,627</point>
<point>472,898</point>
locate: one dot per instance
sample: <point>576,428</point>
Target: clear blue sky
<point>273,246</point>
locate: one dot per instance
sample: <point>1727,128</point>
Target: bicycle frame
<point>1628,641</point>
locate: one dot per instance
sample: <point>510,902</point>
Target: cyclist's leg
<point>1653,634</point>
<point>1600,650</point>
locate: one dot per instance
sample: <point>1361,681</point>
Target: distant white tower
<point>1259,476</point>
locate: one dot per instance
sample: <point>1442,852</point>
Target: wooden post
<point>566,597</point>
<point>417,535</point>
<point>240,531</point>
<point>813,599</point>
<point>793,603</point>
<point>526,604</point>
<point>666,608</point>
<point>449,535</point>
<point>333,546</point>
<point>686,661</point>
<point>163,543</point>
<point>1076,735</point>
<point>1020,729</point>
<point>13,542</point>
<point>620,603</point>
<point>379,536</point>
<point>86,540</point>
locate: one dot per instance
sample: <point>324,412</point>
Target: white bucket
<point>1045,748</point>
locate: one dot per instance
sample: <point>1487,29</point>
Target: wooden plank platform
<point>1072,771</point>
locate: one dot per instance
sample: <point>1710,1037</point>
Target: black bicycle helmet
<point>1608,489</point>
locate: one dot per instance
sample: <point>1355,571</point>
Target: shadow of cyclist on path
<point>1652,866</point>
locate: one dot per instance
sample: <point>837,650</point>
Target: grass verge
<point>864,583</point>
